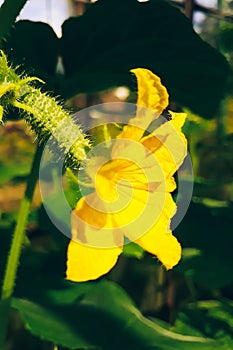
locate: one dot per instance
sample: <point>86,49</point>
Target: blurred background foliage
<point>138,305</point>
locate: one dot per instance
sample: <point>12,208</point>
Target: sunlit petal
<point>86,263</point>
<point>168,250</point>
<point>151,93</point>
<point>135,163</point>
<point>93,223</point>
<point>159,240</point>
<point>152,100</point>
<point>96,245</point>
<point>142,212</point>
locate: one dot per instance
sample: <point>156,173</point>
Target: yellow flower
<point>133,186</point>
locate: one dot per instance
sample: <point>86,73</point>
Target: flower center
<point>106,181</point>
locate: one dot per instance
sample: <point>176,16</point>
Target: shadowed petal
<point>93,224</point>
<point>169,144</point>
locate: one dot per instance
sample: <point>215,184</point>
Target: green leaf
<point>226,36</point>
<point>209,318</point>
<point>207,270</point>
<point>9,11</point>
<point>6,229</point>
<point>112,37</point>
<point>99,48</point>
<point>34,46</point>
<point>4,311</point>
<point>100,315</point>
<point>133,250</point>
<point>72,192</point>
<point>16,152</point>
<point>47,325</point>
<point>207,229</point>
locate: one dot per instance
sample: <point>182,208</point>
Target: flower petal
<point>169,144</point>
<point>87,263</point>
<point>141,213</point>
<point>136,164</point>
<point>151,93</point>
<point>159,240</point>
<point>168,250</point>
<point>152,100</point>
<point>93,225</point>
<point>96,243</point>
<point>162,224</point>
<point>163,245</point>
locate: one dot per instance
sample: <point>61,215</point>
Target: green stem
<point>17,244</point>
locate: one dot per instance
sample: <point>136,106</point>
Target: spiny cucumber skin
<point>49,119</point>
<point>43,113</point>
<point>7,74</point>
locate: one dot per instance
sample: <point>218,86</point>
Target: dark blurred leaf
<point>210,318</point>
<point>9,11</point>
<point>133,250</point>
<point>34,46</point>
<point>46,225</point>
<point>208,229</point>
<point>101,315</point>
<point>4,308</point>
<point>16,151</point>
<point>207,270</point>
<point>226,37</point>
<point>73,192</point>
<point>6,229</point>
<point>215,159</point>
<point>113,37</point>
<point>48,326</point>
<point>9,172</point>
